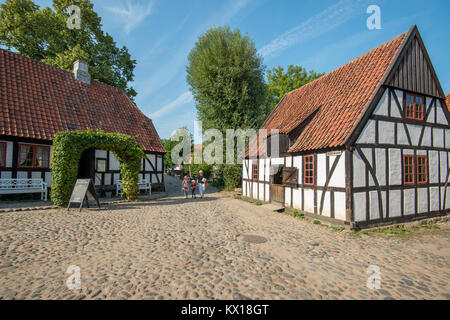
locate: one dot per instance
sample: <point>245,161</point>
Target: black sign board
<point>83,191</point>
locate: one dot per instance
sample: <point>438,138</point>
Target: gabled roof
<point>448,101</point>
<point>342,96</point>
<point>38,100</point>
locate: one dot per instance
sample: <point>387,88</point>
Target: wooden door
<point>277,193</point>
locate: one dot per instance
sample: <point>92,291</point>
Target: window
<point>2,154</point>
<point>101,165</point>
<point>414,107</point>
<point>415,167</point>
<point>308,170</point>
<point>408,169</point>
<point>255,172</point>
<point>31,156</point>
<point>422,169</point>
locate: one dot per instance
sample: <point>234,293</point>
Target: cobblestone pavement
<point>191,249</point>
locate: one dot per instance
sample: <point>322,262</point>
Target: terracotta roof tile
<point>340,96</point>
<point>38,100</point>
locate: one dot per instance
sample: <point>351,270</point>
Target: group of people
<point>193,184</point>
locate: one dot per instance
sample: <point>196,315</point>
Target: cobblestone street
<point>194,249</point>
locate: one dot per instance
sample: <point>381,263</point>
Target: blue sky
<point>316,34</point>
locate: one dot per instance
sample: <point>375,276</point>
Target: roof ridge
<point>57,68</point>
<point>404,34</point>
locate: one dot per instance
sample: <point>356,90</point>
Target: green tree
<point>169,144</point>
<point>280,82</point>
<point>226,77</point>
<point>42,34</point>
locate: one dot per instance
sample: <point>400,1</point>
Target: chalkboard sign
<point>83,191</point>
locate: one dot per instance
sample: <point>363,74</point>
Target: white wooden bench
<point>142,184</point>
<point>20,186</point>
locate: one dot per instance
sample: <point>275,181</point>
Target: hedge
<point>68,147</point>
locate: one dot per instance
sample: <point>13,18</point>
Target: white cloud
<point>132,14</point>
<point>183,99</point>
<point>315,26</point>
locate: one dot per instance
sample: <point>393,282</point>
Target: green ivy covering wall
<point>68,147</point>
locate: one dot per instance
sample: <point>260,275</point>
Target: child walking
<point>185,186</point>
<point>193,189</point>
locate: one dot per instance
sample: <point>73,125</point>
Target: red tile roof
<point>38,100</point>
<point>448,101</point>
<point>339,97</point>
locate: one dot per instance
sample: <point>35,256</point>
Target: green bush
<point>232,176</point>
<point>298,214</point>
<point>68,147</point>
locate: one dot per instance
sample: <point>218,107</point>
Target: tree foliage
<point>169,144</point>
<point>42,34</point>
<point>280,82</point>
<point>226,77</point>
<point>68,147</point>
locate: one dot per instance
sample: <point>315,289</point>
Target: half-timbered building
<point>364,145</point>
<point>38,100</point>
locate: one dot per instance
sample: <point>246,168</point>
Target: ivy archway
<point>68,147</point>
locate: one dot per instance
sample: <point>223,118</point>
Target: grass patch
<point>258,203</point>
<point>317,222</point>
<point>298,214</point>
<point>404,232</point>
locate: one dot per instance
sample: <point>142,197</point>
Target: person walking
<point>185,186</point>
<point>202,182</point>
<point>193,189</point>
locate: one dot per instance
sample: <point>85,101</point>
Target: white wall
<point>437,170</point>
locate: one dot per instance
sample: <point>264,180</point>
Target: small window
<point>101,165</point>
<point>2,154</point>
<point>308,170</point>
<point>31,156</point>
<point>422,169</point>
<point>414,107</point>
<point>255,172</point>
<point>408,169</point>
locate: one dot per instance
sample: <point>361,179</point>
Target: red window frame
<point>308,170</point>
<point>408,177</point>
<point>3,147</point>
<point>422,176</point>
<point>255,171</point>
<point>413,109</point>
<point>34,152</point>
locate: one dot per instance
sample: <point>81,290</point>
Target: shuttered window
<point>290,176</point>
<point>308,170</point>
<point>414,107</point>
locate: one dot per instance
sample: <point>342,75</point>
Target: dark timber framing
<point>411,72</point>
<point>147,169</point>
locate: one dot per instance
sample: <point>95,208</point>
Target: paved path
<point>178,249</point>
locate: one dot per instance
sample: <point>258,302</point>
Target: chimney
<point>81,72</point>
